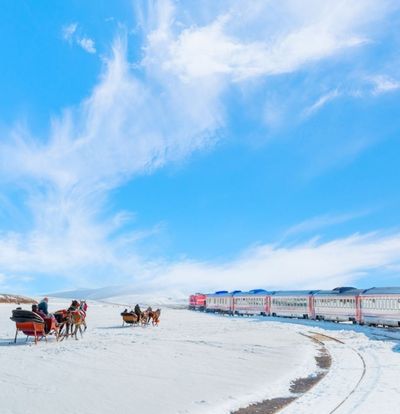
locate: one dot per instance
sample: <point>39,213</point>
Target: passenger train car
<point>339,305</point>
<point>254,302</point>
<point>374,306</point>
<point>380,306</point>
<point>221,301</point>
<point>292,303</point>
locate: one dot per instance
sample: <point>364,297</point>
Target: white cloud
<point>326,220</point>
<point>323,100</point>
<point>71,34</point>
<point>123,129</point>
<point>384,84</point>
<point>87,44</point>
<point>309,265</point>
<point>68,31</point>
<point>283,38</point>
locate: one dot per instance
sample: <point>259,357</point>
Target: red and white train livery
<point>374,306</point>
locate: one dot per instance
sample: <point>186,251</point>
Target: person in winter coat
<point>138,312</point>
<point>36,310</point>
<point>43,306</point>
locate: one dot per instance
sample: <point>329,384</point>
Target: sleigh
<point>129,318</point>
<point>33,325</point>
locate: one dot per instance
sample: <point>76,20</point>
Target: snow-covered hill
<point>8,298</point>
<point>126,295</point>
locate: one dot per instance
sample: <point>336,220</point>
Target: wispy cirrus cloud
<point>383,84</point>
<point>323,221</point>
<point>283,38</point>
<point>322,101</point>
<point>68,31</point>
<point>92,149</point>
<point>71,34</point>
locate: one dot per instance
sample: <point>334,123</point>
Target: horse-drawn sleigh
<point>34,325</point>
<point>64,323</point>
<point>142,318</point>
<point>72,320</point>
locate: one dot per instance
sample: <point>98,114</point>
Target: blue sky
<point>167,146</point>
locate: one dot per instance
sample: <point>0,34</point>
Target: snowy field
<point>194,363</point>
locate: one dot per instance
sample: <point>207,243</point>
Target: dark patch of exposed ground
<point>267,406</point>
<point>298,387</point>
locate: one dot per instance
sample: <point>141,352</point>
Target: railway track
<point>320,337</point>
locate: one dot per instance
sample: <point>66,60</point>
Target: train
<point>376,306</point>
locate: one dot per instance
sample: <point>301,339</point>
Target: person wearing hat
<point>36,310</point>
<point>43,306</point>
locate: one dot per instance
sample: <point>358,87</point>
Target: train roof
<point>293,292</point>
<point>220,293</point>
<point>339,291</point>
<point>261,292</point>
<point>395,290</point>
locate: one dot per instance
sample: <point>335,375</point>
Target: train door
<point>358,309</point>
<point>311,307</point>
<point>268,305</point>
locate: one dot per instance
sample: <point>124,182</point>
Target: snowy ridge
<point>127,296</point>
<point>9,298</point>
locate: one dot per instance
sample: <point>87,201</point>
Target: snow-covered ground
<point>193,363</point>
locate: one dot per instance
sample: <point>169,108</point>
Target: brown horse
<point>144,318</point>
<point>77,320</point>
<point>63,322</point>
<point>155,317</point>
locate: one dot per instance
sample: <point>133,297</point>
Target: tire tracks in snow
<point>311,401</point>
<point>353,390</point>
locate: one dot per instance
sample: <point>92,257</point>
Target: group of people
<point>42,309</point>
<point>138,312</point>
<point>143,316</point>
